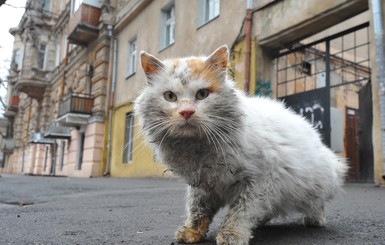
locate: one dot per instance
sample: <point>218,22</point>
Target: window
<point>75,5</point>
<point>80,150</point>
<point>17,58</point>
<point>45,158</point>
<point>208,10</point>
<point>131,58</point>
<point>62,152</point>
<point>128,138</point>
<point>45,5</point>
<point>57,55</point>
<point>41,61</point>
<point>168,27</point>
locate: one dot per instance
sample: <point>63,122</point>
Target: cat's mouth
<point>187,126</point>
<point>186,129</point>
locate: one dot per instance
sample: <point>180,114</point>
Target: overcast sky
<point>9,17</point>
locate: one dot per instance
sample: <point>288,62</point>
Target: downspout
<point>114,44</point>
<point>62,85</point>
<point>27,133</point>
<point>248,22</point>
<point>378,30</point>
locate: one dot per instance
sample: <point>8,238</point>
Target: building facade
<point>72,111</point>
<point>165,29</point>
<point>319,58</point>
<point>58,88</point>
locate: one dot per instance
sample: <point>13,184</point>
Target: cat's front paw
<point>231,237</point>
<point>188,235</point>
<point>314,221</point>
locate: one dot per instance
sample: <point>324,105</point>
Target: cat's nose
<point>187,113</point>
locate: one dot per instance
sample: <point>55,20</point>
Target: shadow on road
<point>291,233</point>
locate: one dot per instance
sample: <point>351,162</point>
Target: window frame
<point>17,58</point>
<point>75,5</point>
<point>128,138</point>
<point>45,5</point>
<point>41,62</point>
<point>167,30</point>
<point>62,153</point>
<point>132,57</point>
<point>80,150</point>
<point>208,10</point>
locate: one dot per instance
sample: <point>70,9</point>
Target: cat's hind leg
<point>314,213</point>
<point>201,210</point>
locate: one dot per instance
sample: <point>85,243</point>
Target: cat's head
<point>187,97</point>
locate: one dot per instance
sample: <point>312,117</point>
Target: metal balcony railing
<point>76,103</point>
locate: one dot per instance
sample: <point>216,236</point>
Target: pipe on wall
<point>378,31</point>
<point>114,44</point>
<point>248,22</point>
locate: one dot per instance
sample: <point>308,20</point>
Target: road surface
<point>60,210</point>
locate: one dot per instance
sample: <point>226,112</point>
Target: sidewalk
<point>59,210</point>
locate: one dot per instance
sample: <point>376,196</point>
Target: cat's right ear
<point>151,65</point>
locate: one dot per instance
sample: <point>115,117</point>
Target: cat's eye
<point>202,94</point>
<point>170,96</point>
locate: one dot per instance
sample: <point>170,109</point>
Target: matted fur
<point>251,154</point>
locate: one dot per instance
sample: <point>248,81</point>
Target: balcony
<point>12,107</point>
<point>32,82</point>
<point>57,132</point>
<point>75,110</point>
<point>83,25</point>
<point>38,138</point>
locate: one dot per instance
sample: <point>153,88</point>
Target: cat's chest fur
<point>200,163</point>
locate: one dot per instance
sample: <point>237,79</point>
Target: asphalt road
<point>58,210</point>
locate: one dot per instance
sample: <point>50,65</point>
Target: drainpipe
<point>26,133</point>
<point>62,83</point>
<point>114,44</point>
<point>248,22</point>
<point>380,60</point>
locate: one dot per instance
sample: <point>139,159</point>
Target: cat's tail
<point>341,168</point>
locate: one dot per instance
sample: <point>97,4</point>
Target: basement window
<point>128,138</point>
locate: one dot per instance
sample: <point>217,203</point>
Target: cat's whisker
<point>209,137</point>
<point>165,135</point>
<point>141,146</point>
<point>227,139</point>
<point>217,143</point>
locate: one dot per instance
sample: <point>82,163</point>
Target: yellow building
<point>165,29</point>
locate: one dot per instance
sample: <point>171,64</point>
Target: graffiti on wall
<point>314,113</point>
<point>263,88</point>
<point>314,105</point>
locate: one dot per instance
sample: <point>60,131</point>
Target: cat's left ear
<point>151,65</point>
<point>219,58</point>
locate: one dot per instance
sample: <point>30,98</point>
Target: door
<point>351,144</point>
<point>365,134</point>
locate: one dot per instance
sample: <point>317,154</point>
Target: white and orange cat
<point>251,154</point>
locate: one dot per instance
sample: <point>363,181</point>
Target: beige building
<point>58,88</point>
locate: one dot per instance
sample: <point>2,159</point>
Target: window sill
<point>130,75</point>
<point>166,47</point>
<point>207,22</point>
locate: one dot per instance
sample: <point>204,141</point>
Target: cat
<point>251,154</point>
